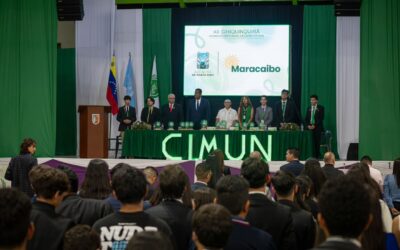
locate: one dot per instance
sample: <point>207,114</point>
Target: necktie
<point>313,115</point>
<point>170,108</point>
<point>283,109</point>
<point>127,110</point>
<point>197,104</point>
<point>149,113</point>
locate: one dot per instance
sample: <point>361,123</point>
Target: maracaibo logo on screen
<point>268,68</point>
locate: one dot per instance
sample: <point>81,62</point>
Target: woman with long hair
<point>96,184</point>
<point>391,188</point>
<point>215,161</point>
<point>245,111</point>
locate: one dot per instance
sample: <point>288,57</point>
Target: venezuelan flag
<point>112,94</point>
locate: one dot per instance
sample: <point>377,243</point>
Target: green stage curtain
<point>66,102</point>
<point>380,79</point>
<point>319,62</point>
<point>28,51</point>
<point>157,42</point>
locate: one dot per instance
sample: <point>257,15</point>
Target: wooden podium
<point>93,127</point>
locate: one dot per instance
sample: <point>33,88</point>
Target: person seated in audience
<point>265,214</point>
<point>263,112</point>
<point>96,184</point>
<point>227,114</point>
<point>212,226</point>
<point>81,237</point>
<point>19,167</point>
<point>150,114</point>
<point>303,184</point>
<point>173,182</point>
<point>203,176</point>
<point>294,166</point>
<point>116,229</point>
<point>233,194</point>
<point>375,173</point>
<point>245,112</point>
<point>345,213</point>
<point>113,201</point>
<point>203,196</point>
<point>215,160</point>
<point>312,168</point>
<point>304,224</point>
<point>392,188</point>
<point>81,211</point>
<point>329,169</point>
<point>50,187</point>
<point>255,155</point>
<point>148,240</point>
<point>152,183</point>
<point>396,229</point>
<point>15,224</point>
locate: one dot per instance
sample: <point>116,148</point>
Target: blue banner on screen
<point>237,60</point>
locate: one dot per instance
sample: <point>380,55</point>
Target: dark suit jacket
<point>295,167</point>
<point>245,237</point>
<point>49,227</point>
<point>274,219</point>
<point>198,185</point>
<point>122,115</point>
<point>319,118</point>
<point>18,172</point>
<point>291,113</point>
<point>331,172</point>
<point>154,116</point>
<point>176,116</point>
<point>202,112</point>
<point>337,245</point>
<point>178,217</point>
<point>304,225</point>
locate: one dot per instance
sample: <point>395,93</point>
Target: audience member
<point>81,211</point>
<point>392,188</point>
<point>50,186</point>
<point>329,169</point>
<point>81,237</point>
<point>20,166</point>
<point>215,161</point>
<point>256,155</point>
<point>294,166</point>
<point>203,196</point>
<point>173,182</point>
<point>151,177</point>
<point>114,202</point>
<point>375,173</point>
<point>304,184</point>
<point>96,184</point>
<point>15,224</point>
<point>304,224</point>
<point>312,168</point>
<point>148,240</point>
<point>212,226</point>
<point>233,194</point>
<point>203,176</point>
<point>116,229</point>
<point>265,214</point>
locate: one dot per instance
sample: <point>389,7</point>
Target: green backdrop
<point>319,62</point>
<point>157,42</point>
<point>380,79</point>
<point>28,47</point>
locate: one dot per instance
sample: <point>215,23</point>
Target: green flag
<point>154,85</point>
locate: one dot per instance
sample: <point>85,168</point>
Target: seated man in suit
<point>171,112</point>
<point>203,176</point>
<point>227,114</point>
<point>285,110</point>
<point>304,224</point>
<point>198,109</point>
<point>315,122</point>
<point>345,213</point>
<point>126,116</point>
<point>150,114</point>
<point>263,112</point>
<point>294,166</point>
<point>265,214</point>
<point>329,168</point>
<point>233,194</point>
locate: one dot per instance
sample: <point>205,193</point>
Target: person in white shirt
<point>375,173</point>
<point>227,114</point>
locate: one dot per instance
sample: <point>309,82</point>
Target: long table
<point>196,144</point>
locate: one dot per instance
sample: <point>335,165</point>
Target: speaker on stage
<point>352,152</point>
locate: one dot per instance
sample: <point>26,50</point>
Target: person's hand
<point>394,210</point>
<point>311,127</point>
<point>127,121</point>
<point>282,124</point>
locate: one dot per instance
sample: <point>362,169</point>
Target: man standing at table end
<point>285,110</point>
<point>171,112</point>
<point>198,109</point>
<point>126,116</point>
<point>315,122</point>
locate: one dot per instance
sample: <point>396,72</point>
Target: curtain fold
<point>347,82</point>
<point>28,46</point>
<point>380,79</point>
<point>319,62</point>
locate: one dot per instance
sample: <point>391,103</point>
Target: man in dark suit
<point>345,213</point>
<point>285,111</point>
<point>232,193</point>
<point>150,114</point>
<point>294,166</point>
<point>203,176</point>
<point>198,109</point>
<point>265,214</point>
<point>171,112</point>
<point>315,122</point>
<point>173,181</point>
<point>304,224</point>
<point>329,169</point>
<point>126,115</point>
